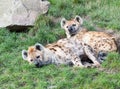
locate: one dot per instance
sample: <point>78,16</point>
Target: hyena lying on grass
<point>101,42</point>
<point>64,51</point>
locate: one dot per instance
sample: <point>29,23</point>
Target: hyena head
<point>34,55</point>
<point>71,27</point>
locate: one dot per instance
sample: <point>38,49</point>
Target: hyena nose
<point>70,29</point>
<point>39,64</point>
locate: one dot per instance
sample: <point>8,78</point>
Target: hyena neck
<point>50,57</point>
<point>82,29</point>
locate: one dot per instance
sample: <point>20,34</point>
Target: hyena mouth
<point>73,32</point>
<point>38,65</point>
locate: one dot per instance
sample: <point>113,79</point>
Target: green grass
<point>15,73</point>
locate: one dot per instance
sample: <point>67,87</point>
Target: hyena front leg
<point>91,55</point>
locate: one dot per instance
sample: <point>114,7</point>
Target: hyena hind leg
<point>91,55</point>
<point>78,63</point>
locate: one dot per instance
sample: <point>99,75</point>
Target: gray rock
<point>20,14</point>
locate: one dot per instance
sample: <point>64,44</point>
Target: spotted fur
<point>99,41</point>
<point>64,51</point>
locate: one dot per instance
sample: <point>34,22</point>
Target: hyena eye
<point>74,25</point>
<point>66,26</point>
<point>38,57</point>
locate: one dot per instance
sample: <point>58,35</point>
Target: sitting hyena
<point>99,41</point>
<point>64,51</point>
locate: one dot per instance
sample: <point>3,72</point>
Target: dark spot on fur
<point>76,58</point>
<point>53,49</point>
<point>85,44</point>
<point>57,46</point>
<point>95,47</point>
<point>59,57</point>
<point>102,44</point>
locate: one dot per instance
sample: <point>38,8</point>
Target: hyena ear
<point>39,46</point>
<point>63,22</point>
<point>24,54</point>
<point>79,19</point>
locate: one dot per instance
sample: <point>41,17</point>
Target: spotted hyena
<point>64,51</point>
<point>99,41</point>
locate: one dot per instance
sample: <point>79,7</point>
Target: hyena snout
<point>71,29</point>
<point>39,64</point>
